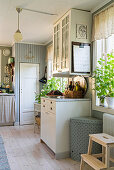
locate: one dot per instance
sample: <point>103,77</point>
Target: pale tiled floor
<point>25,152</point>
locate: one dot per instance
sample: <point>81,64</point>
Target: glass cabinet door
<point>55,49</point>
<point>56,59</point>
<point>65,42</point>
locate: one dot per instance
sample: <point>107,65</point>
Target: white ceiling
<point>36,28</point>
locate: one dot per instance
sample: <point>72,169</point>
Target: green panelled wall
<point>20,51</point>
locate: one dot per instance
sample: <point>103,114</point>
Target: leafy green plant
<point>104,77</point>
<point>52,84</point>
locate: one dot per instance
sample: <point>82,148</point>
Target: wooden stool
<point>107,142</point>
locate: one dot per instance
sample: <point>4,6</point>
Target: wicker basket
<point>37,120</point>
<point>73,94</point>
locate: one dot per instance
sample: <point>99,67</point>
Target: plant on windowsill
<point>52,84</point>
<point>104,80</point>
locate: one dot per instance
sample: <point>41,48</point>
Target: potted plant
<point>104,80</point>
<point>52,84</point>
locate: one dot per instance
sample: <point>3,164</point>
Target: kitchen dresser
<point>73,26</point>
<point>55,121</point>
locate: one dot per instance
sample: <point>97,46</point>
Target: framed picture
<point>81,31</point>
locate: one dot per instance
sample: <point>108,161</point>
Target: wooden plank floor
<point>25,152</point>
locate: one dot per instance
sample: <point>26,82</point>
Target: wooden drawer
<point>48,105</point>
<point>51,102</point>
<point>43,101</point>
<point>52,109</point>
<point>52,106</point>
<point>44,104</point>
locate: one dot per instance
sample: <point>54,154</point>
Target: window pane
<point>101,48</point>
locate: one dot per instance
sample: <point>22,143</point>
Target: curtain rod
<point>108,5</point>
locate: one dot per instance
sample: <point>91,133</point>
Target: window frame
<point>99,108</point>
<point>94,103</point>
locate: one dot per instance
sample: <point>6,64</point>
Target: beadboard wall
<point>20,51</point>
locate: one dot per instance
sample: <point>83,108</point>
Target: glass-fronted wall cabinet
<point>56,58</point>
<point>65,42</point>
<point>61,45</point>
<point>69,28</point>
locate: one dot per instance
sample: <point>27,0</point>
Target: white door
<point>29,84</point>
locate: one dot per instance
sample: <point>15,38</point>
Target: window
<point>103,42</point>
<point>101,48</point>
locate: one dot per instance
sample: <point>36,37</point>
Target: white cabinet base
<point>62,155</point>
<point>55,122</point>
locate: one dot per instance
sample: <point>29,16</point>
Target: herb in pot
<point>104,78</point>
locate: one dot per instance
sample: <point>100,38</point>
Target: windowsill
<point>99,108</point>
<point>103,109</point>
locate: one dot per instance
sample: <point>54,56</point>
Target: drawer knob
<point>51,102</point>
<point>43,100</point>
<point>51,108</point>
<point>43,105</point>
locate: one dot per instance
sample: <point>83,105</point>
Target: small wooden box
<point>37,120</point>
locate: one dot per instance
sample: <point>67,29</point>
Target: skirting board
<point>6,124</point>
<point>62,155</point>
<point>16,124</point>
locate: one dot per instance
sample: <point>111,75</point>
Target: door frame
<point>20,86</point>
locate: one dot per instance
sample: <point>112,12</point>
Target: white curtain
<point>103,24</point>
<point>7,109</point>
